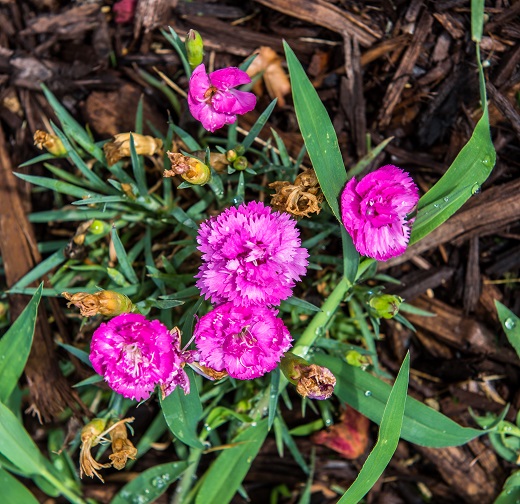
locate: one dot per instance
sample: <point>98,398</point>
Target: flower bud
<point>231,155</point>
<point>240,149</point>
<point>119,146</point>
<point>240,163</point>
<point>52,143</point>
<point>194,48</point>
<point>189,168</point>
<point>311,380</point>
<point>386,305</point>
<point>356,359</point>
<point>98,227</point>
<point>108,303</point>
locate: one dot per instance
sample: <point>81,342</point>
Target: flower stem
<point>66,492</point>
<point>317,325</point>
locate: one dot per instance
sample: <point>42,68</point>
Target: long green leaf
<point>229,469</point>
<point>41,269</point>
<point>122,257</point>
<point>259,124</point>
<point>15,346</point>
<point>387,440</point>
<point>138,169</point>
<point>183,412</point>
<point>318,133</point>
<point>150,484</point>
<point>422,425</point>
<point>13,491</point>
<point>58,186</point>
<point>511,325</point>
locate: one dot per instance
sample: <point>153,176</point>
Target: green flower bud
<point>240,149</point>
<point>98,227</point>
<point>194,48</point>
<point>355,358</point>
<point>240,163</point>
<point>231,155</point>
<point>386,305</point>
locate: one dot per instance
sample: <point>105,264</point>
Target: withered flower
<point>189,168</point>
<point>299,199</point>
<point>122,447</point>
<point>52,143</point>
<point>311,380</point>
<point>90,437</point>
<point>119,146</point>
<point>207,372</point>
<point>108,303</point>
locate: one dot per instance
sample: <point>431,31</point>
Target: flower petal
<point>213,120</point>
<point>230,77</point>
<point>199,83</point>
<point>234,102</point>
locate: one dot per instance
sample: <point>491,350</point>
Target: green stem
<point>66,492</point>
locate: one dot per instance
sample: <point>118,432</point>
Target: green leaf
<point>122,257</point>
<point>511,325</point>
<point>183,412</point>
<point>259,124</point>
<point>138,169</point>
<point>229,469</point>
<point>477,19</point>
<point>318,134</point>
<point>350,256</point>
<point>41,269</point>
<point>150,484</point>
<point>511,492</point>
<point>13,491</point>
<point>367,394</point>
<point>179,46</point>
<point>387,440</point>
<point>15,346</point>
<point>58,186</point>
<point>368,158</point>
<point>17,446</point>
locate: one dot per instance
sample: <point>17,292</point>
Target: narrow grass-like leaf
<point>139,117</point>
<point>101,200</point>
<point>126,265</point>
<point>183,412</point>
<point>138,169</point>
<point>318,133</point>
<point>150,484</point>
<point>259,124</point>
<point>368,158</point>
<point>387,440</point>
<point>178,45</point>
<point>38,159</point>
<point>89,381</point>
<point>477,19</point>
<point>13,491</point>
<point>96,182</point>
<point>229,469</point>
<point>273,395</point>
<point>69,215</point>
<point>77,352</point>
<point>41,269</point>
<point>73,128</point>
<point>350,256</point>
<point>152,434</point>
<point>190,142</point>
<point>301,303</point>
<point>15,346</point>
<point>511,325</point>
<point>422,425</point>
<point>58,186</point>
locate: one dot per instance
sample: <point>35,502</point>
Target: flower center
<point>256,253</point>
<point>134,354</point>
<point>210,92</point>
<point>246,337</point>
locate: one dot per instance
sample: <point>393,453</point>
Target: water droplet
<point>436,205</point>
<point>446,199</point>
<point>249,460</point>
<point>328,422</point>
<point>166,477</point>
<point>486,161</point>
<point>368,393</point>
<point>253,424</point>
<point>476,188</point>
<point>158,482</point>
<point>509,323</point>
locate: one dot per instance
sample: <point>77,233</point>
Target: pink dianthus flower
<point>212,99</point>
<point>251,256</point>
<point>374,212</point>
<point>134,355</point>
<point>245,341</point>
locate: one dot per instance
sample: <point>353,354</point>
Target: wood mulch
<point>385,69</point>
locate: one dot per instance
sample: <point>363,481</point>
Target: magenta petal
<point>213,120</point>
<point>199,83</point>
<point>196,107</point>
<point>226,78</point>
<point>234,102</point>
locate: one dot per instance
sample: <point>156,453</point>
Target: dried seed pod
<point>119,146</point>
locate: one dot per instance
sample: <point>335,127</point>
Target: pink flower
<point>124,11</point>
<point>251,256</point>
<point>245,341</point>
<point>374,212</point>
<point>211,99</point>
<point>134,355</point>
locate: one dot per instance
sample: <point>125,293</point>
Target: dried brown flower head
<point>52,143</point>
<point>90,437</point>
<point>108,303</point>
<point>122,447</point>
<point>301,198</point>
<point>119,146</point>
